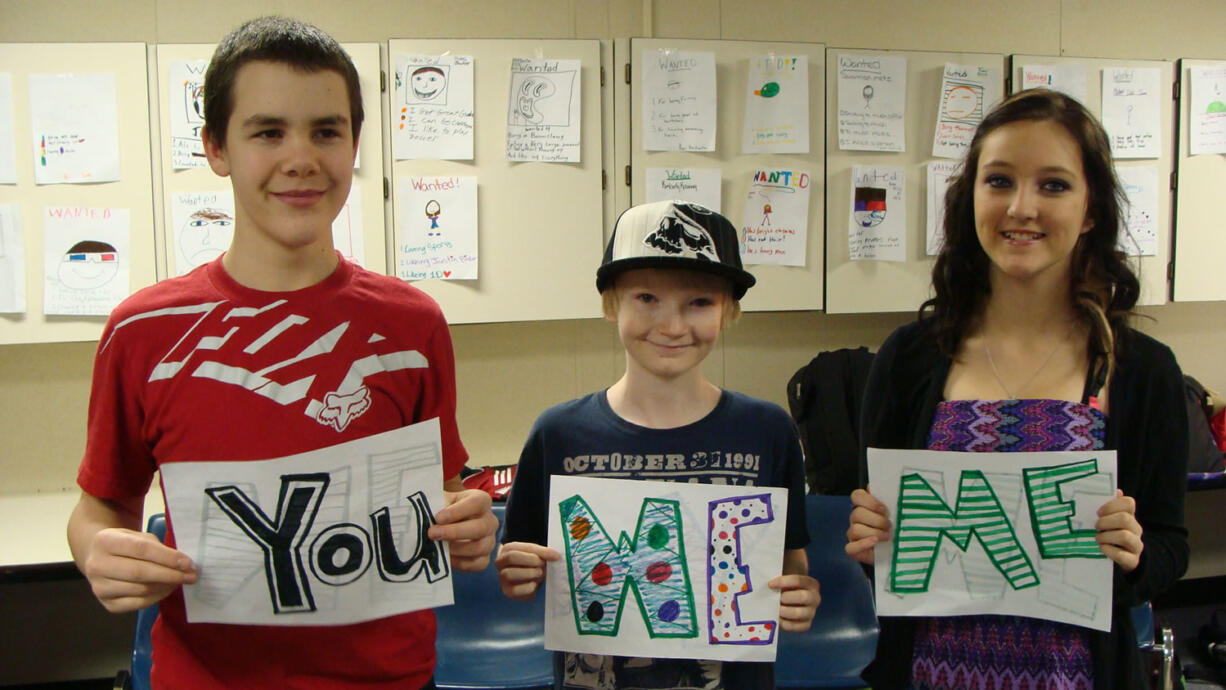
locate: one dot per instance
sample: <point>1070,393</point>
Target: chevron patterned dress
<point>1006,652</point>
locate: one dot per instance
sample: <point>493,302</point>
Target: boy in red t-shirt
<point>278,347</point>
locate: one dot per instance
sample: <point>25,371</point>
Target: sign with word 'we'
<point>664,570</point>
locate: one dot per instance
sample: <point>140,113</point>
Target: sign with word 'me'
<point>664,570</point>
<point>1001,533</point>
<point>328,537</point>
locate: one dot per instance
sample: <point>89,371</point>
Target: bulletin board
<point>366,211</point>
<point>1200,226</point>
<point>1152,270</point>
<point>779,288</point>
<point>887,286</point>
<point>540,224</point>
<point>129,65</point>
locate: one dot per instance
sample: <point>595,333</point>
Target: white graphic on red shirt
<point>339,410</point>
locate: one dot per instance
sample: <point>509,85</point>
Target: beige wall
<point>508,373</point>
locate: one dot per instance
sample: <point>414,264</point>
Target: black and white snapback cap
<point>674,234</point>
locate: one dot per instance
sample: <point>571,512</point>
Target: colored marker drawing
<point>652,564</point>
<point>924,519</point>
<point>727,577</point>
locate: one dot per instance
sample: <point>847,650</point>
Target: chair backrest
<point>486,640</point>
<point>843,638</point>
<point>142,645</point>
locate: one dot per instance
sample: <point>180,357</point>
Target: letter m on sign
<point>924,518</point>
<point>652,565</point>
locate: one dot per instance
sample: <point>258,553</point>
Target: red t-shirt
<point>200,368</point>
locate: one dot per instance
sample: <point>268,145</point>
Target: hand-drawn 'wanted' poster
<point>1004,533</point>
<point>74,122</point>
<point>186,93</point>
<point>86,260</point>
<point>678,100</point>
<point>432,116</point>
<point>1208,110</point>
<point>664,570</point>
<point>438,221</point>
<point>203,226</point>
<point>872,103</point>
<point>968,92</point>
<point>775,227</point>
<point>1131,108</point>
<point>543,111</point>
<point>328,537</point>
<point>878,223</point>
<point>777,105</point>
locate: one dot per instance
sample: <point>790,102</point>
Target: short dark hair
<point>1103,287</point>
<point>273,39</point>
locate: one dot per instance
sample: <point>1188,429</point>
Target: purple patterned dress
<point>1006,652</point>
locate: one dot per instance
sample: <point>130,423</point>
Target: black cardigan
<point>1147,426</point>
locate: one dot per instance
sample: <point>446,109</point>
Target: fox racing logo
<point>338,410</point>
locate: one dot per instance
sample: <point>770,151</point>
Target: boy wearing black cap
<point>671,280</point>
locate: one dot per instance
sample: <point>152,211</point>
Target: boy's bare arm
<point>799,594</point>
<point>127,569</point>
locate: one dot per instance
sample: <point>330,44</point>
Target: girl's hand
<point>870,525</point>
<point>1119,533</point>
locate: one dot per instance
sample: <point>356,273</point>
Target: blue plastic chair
<point>486,640</point>
<point>843,637</point>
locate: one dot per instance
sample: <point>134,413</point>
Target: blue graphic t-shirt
<point>743,441</point>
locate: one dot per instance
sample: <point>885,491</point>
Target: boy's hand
<point>870,525</point>
<point>469,526</point>
<point>130,570</point>
<point>521,568</point>
<point>798,601</point>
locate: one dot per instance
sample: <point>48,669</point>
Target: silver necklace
<point>996,373</point>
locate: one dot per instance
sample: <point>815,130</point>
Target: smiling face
<point>428,83</point>
<point>1030,200</point>
<point>669,320</point>
<point>289,154</point>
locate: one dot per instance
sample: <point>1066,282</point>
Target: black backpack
<point>1203,452</point>
<point>824,399</point>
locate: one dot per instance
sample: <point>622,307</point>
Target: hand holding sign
<point>469,526</point>
<point>130,570</point>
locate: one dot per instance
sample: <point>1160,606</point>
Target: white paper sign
<point>872,103</point>
<point>775,227</point>
<point>12,261</point>
<point>696,185</point>
<point>86,260</point>
<point>777,105</point>
<point>185,89</point>
<point>1131,104</point>
<point>439,223</point>
<point>1208,110</point>
<point>878,223</point>
<point>347,232</point>
<point>1067,79</point>
<point>432,116</point>
<point>328,537</point>
<point>664,570</point>
<point>968,92</point>
<point>678,100</point>
<point>1139,236</point>
<point>203,226</point>
<point>543,111</point>
<point>74,123</point>
<point>8,160</point>
<point>999,533</point>
<point>939,174</point>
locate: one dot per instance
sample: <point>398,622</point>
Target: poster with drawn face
<point>86,260</point>
<point>203,225</point>
<point>664,570</point>
<point>776,105</point>
<point>968,92</point>
<point>543,111</point>
<point>332,536</point>
<point>74,124</point>
<point>1001,533</point>
<point>12,261</point>
<point>439,229</point>
<point>433,109</point>
<point>185,89</point>
<point>878,223</point>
